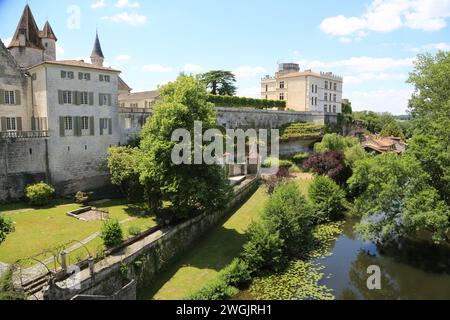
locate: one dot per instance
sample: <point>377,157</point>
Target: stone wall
<point>22,162</point>
<point>145,264</point>
<point>245,118</point>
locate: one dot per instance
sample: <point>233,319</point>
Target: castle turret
<point>26,45</point>
<point>97,57</point>
<point>48,39</point>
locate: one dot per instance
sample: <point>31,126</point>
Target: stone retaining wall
<point>145,263</point>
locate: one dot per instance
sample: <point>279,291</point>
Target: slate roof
<point>97,50</point>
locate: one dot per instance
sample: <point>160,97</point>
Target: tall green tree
<point>219,82</point>
<point>189,188</point>
<point>430,107</point>
<point>393,129</point>
<point>397,200</point>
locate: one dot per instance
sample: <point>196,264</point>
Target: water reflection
<point>410,269</point>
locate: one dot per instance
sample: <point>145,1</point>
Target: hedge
<point>242,102</point>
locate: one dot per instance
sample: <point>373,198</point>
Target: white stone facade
<point>305,91</point>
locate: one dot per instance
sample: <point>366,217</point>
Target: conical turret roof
<point>27,25</point>
<point>97,51</point>
<point>47,32</point>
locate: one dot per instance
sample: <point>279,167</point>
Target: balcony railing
<point>4,135</point>
<point>135,110</point>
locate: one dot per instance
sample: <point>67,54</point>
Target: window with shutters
<point>334,109</point>
<point>282,96</point>
<point>334,97</point>
<point>67,97</point>
<point>281,85</point>
<point>11,124</point>
<point>70,74</point>
<point>103,99</point>
<point>325,108</point>
<point>107,78</point>
<point>84,123</point>
<point>326,85</point>
<point>10,97</point>
<point>127,124</point>
<point>68,125</point>
<point>84,98</point>
<point>63,74</point>
<point>326,96</point>
<point>335,87</point>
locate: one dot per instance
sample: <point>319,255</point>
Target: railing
<point>135,110</point>
<point>23,134</point>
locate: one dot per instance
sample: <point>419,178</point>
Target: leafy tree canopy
<point>430,107</point>
<point>219,82</point>
<point>189,188</point>
<point>374,121</point>
<point>335,142</point>
<point>6,227</point>
<point>393,129</point>
<point>396,199</point>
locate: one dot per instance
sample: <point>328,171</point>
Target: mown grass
<point>202,263</point>
<point>45,228</point>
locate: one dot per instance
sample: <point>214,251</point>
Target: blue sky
<point>372,43</point>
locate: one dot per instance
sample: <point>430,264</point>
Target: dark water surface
<point>409,269</point>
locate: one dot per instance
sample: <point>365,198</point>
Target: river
<point>410,270</point>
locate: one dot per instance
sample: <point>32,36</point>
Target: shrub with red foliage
<point>331,164</point>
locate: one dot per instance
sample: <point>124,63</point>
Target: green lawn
<point>213,252</point>
<point>46,228</point>
<point>216,250</point>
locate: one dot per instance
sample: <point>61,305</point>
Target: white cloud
<point>248,71</point>
<point>122,58</point>
<point>359,64</point>
<point>6,41</point>
<point>363,77</point>
<point>132,19</point>
<point>98,4</point>
<point>342,26</point>
<point>250,92</point>
<point>192,68</point>
<point>345,40</point>
<point>394,101</point>
<point>389,15</point>
<point>157,68</point>
<point>126,3</point>
<point>59,50</point>
<point>443,46</point>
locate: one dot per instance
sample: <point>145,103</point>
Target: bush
<point>39,194</point>
<point>289,213</point>
<point>335,142</point>
<point>237,274</point>
<point>216,290</point>
<point>285,164</point>
<point>111,233</point>
<point>134,231</point>
<point>331,164</point>
<point>264,249</point>
<point>82,197</point>
<point>328,199</point>
<point>6,227</point>
<point>300,158</point>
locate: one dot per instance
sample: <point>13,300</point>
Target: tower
<point>97,57</point>
<point>26,45</point>
<point>48,39</point>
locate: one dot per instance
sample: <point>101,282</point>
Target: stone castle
<point>59,117</point>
